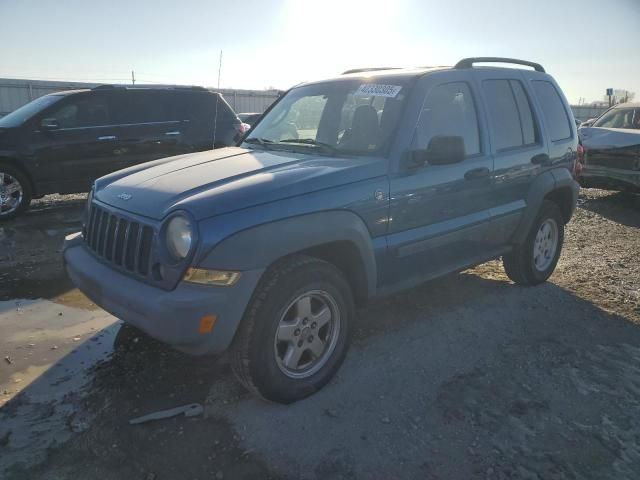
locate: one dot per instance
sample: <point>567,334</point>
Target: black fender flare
<point>258,247</point>
<point>544,184</point>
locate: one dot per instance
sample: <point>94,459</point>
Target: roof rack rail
<point>143,86</point>
<point>372,69</point>
<point>468,62</point>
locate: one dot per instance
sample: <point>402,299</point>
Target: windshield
<point>24,113</point>
<point>619,118</point>
<point>350,117</point>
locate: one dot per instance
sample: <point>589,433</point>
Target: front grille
<point>120,241</point>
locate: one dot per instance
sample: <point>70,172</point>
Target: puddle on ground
<point>47,352</point>
<point>38,333</point>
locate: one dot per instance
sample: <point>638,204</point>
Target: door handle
<point>107,137</point>
<point>476,173</point>
<point>541,159</point>
<point>173,133</point>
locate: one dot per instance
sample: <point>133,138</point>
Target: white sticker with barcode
<point>376,90</point>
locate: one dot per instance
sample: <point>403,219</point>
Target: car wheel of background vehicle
<point>296,330</point>
<point>533,261</point>
<point>15,192</point>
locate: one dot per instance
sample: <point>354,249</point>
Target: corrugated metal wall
<point>585,112</point>
<point>15,93</point>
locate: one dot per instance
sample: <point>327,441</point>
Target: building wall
<point>15,93</point>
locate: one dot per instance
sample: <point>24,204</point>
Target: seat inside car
<point>364,129</point>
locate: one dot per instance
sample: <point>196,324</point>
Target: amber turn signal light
<point>207,323</point>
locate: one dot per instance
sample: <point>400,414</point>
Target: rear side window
<point>553,110</point>
<point>147,107</point>
<point>449,110</point>
<point>526,116</point>
<point>510,112</point>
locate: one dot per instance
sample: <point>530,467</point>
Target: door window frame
<point>69,100</point>
<point>481,149</point>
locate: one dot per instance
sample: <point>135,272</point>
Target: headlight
<point>179,237</point>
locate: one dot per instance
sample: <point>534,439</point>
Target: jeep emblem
<point>124,196</point>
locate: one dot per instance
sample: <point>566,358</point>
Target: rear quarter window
<point>553,110</point>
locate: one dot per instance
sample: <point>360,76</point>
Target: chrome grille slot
<point>121,241</point>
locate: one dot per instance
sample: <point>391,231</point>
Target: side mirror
<point>49,124</point>
<point>442,150</point>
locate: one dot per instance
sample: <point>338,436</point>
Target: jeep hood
<point>220,181</point>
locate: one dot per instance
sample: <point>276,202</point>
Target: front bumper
<point>173,316</point>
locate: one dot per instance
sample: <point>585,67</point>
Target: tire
<point>533,262</point>
<point>264,352</point>
<point>10,177</point>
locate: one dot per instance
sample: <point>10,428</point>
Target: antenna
<point>133,78</point>
<point>219,68</point>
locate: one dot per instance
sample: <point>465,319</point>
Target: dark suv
<point>62,142</point>
<point>346,189</point>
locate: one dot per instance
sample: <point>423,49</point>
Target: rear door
<point>517,146</point>
<point>82,148</point>
<point>556,117</point>
<point>439,213</point>
<point>151,126</point>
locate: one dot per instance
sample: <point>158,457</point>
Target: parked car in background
<point>611,149</point>
<point>393,178</point>
<point>588,123</point>
<point>249,118</point>
<point>62,142</point>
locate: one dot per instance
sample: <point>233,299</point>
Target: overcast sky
<point>588,45</point>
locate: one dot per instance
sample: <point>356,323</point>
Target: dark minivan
<point>62,142</point>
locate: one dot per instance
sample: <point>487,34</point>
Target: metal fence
<point>585,112</point>
<point>15,93</point>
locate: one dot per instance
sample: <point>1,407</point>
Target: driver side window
<point>448,110</point>
<point>82,112</point>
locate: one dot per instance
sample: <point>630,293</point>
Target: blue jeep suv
<point>346,189</point>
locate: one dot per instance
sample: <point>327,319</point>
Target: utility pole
<point>133,78</point>
<point>219,69</point>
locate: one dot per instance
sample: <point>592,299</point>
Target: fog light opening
<point>211,277</point>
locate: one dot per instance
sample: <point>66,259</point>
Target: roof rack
<point>143,86</point>
<point>468,62</point>
<point>372,69</point>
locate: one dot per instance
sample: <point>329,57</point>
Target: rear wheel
<point>295,333</point>
<point>534,261</point>
<point>15,192</point>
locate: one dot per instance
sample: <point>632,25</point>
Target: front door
<point>81,146</point>
<point>439,212</point>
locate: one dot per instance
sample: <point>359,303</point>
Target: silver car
<point>611,149</point>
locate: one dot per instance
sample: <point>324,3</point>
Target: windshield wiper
<point>260,141</point>
<point>309,141</point>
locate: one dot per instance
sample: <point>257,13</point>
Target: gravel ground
<point>466,377</point>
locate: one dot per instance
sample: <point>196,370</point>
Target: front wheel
<point>296,331</point>
<point>534,261</point>
<point>15,192</point>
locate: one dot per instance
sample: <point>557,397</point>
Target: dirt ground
<point>465,377</point>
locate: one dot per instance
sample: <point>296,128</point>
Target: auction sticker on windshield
<point>376,90</point>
